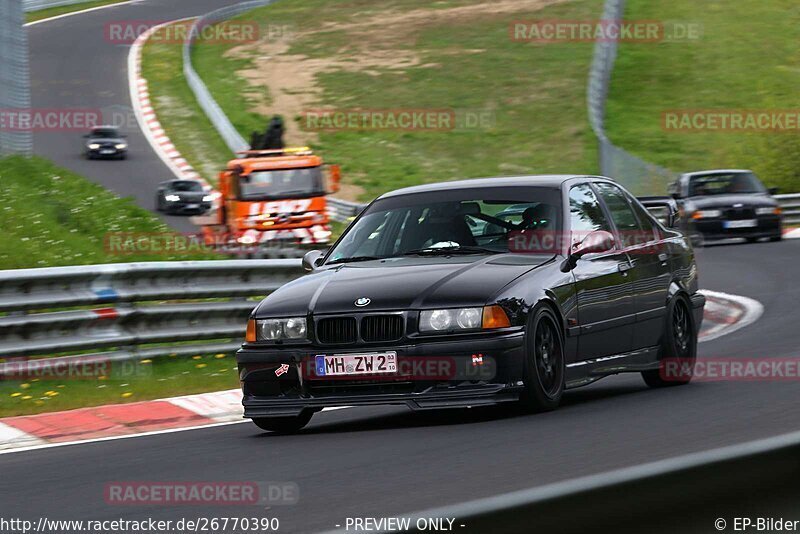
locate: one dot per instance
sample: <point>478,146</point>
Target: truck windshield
<point>281,183</point>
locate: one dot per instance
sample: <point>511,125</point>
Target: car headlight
<point>94,146</point>
<point>706,214</point>
<point>769,210</point>
<point>121,146</point>
<point>462,319</point>
<point>172,198</point>
<point>293,328</point>
<point>208,198</point>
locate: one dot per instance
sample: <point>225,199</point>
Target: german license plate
<point>107,151</point>
<point>192,206</point>
<point>748,223</point>
<point>356,364</point>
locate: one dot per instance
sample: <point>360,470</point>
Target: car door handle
<point>663,257</point>
<point>624,268</point>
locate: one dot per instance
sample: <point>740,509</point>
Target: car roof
<point>105,127</point>
<point>542,180</point>
<point>715,171</point>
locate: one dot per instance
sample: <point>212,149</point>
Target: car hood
<point>727,201</point>
<point>399,284</point>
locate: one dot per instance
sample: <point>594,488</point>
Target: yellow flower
<point>51,393</point>
<point>27,397</point>
<point>172,355</point>
<point>34,379</point>
<point>102,377</point>
<point>61,386</point>
<point>17,394</point>
<point>220,356</point>
<point>127,394</point>
<point>146,361</point>
<point>201,365</point>
<point>38,403</point>
<point>197,357</point>
<point>25,386</point>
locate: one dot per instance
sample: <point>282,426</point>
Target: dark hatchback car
<point>105,142</point>
<point>182,197</point>
<point>416,304</point>
<point>723,204</point>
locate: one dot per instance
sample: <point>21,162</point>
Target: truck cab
<point>273,197</point>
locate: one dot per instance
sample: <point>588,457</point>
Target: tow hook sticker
<point>282,370</point>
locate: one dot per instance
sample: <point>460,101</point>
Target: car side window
<point>585,213</point>
<point>621,212</point>
<point>646,221</point>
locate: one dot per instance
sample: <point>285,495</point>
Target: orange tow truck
<point>271,198</point>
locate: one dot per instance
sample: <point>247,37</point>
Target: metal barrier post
<point>15,94</point>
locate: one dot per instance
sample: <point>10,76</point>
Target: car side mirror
<point>774,190</point>
<point>311,260</point>
<point>595,243</point>
<point>676,196</point>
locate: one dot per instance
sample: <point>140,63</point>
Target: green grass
<point>126,382</point>
<point>51,217</point>
<point>61,10</point>
<point>181,117</point>
<point>535,93</point>
<point>746,59</point>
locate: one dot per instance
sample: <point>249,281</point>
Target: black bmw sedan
<point>723,204</point>
<point>105,142</point>
<point>182,197</point>
<point>431,300</point>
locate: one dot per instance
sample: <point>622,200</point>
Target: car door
<point>602,286</point>
<point>650,273</point>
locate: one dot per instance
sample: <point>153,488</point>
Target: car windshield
<point>105,133</point>
<point>725,184</point>
<point>262,185</point>
<point>480,222</point>
<point>187,186</point>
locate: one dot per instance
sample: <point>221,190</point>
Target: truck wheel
<point>284,425</point>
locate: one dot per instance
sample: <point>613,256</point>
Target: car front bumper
<point>432,374</point>
<point>106,152</point>
<point>766,226</point>
<point>188,207</point>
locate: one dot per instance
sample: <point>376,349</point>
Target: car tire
<point>752,239</point>
<point>679,343</point>
<point>776,238</point>
<point>544,367</point>
<point>284,425</point>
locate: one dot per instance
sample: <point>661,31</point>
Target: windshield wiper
<point>353,259</point>
<point>444,251</point>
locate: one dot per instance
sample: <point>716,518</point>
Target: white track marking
<point>145,115</point>
<point>130,436</point>
<point>792,234</point>
<point>221,406</point>
<point>14,437</point>
<point>752,312</point>
<point>81,12</point>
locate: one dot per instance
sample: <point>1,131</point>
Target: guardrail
<point>134,320</point>
<point>790,204</point>
<point>701,492</point>
<point>213,111</point>
<point>342,210</point>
